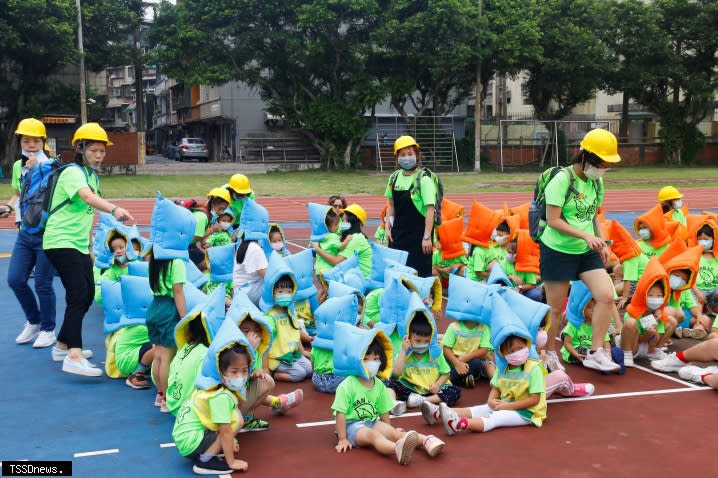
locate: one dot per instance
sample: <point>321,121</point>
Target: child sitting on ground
<point>651,228</point>
<point>703,232</point>
<point>482,223</point>
<point>449,256</point>
<point>577,340</point>
<point>682,274</point>
<point>467,348</point>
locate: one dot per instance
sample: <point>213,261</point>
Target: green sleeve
<point>16,173</point>
<point>221,407</point>
<point>495,379</point>
<point>527,277</point>
<point>387,192</point>
<point>555,191</point>
<point>537,382</point>
<point>687,300</point>
<point>178,272</point>
<point>478,260</point>
<point>569,330</point>
<point>443,365</point>
<point>436,258</point>
<point>384,402</point>
<point>342,399</point>
<point>428,191</point>
<point>630,269</point>
<point>449,339</point>
<point>330,244</point>
<point>71,180</point>
<point>272,324</point>
<point>485,342</point>
<point>201,225</point>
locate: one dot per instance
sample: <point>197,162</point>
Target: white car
<point>192,148</point>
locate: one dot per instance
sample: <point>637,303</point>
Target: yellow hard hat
<point>91,132</point>
<point>219,193</point>
<point>668,193</point>
<point>240,184</point>
<point>31,127</point>
<point>404,141</point>
<point>358,211</point>
<point>602,143</point>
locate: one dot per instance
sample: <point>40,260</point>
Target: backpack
<point>38,187</point>
<point>417,186</point>
<point>537,210</point>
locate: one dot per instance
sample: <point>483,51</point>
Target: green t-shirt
<point>685,301</point>
<point>425,197</point>
<point>16,175</point>
<point>707,274</point>
<point>220,238</point>
<point>128,346</point>
<point>649,251</point>
<point>420,371</point>
<point>372,307</point>
<point>359,244</point>
<point>478,262</point>
<point>330,245</point>
<point>578,212</point>
<point>322,360</point>
<point>358,402</point>
<point>580,337</point>
<point>439,262</point>
<point>183,372</point>
<point>201,224</point>
<point>462,339</point>
<point>69,226</point>
<point>510,269</point>
<point>380,235</point>
<point>189,430</point>
<point>634,267</point>
<point>176,274</point>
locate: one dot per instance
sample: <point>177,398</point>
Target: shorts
<point>143,350</point>
<point>559,266</point>
<point>326,382</point>
<point>207,440</point>
<point>353,428</point>
<point>162,317</point>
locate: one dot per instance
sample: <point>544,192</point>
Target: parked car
<point>193,148</point>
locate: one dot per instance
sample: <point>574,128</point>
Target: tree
<point>682,91</point>
<point>310,59</point>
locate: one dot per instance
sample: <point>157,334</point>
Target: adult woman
<point>338,202</point>
<point>410,217</point>
<point>572,247</point>
<point>67,238</point>
<point>27,253</point>
<point>355,241</point>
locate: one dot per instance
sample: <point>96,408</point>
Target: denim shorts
<point>353,428</point>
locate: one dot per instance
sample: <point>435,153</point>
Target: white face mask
<point>372,367</point>
<point>677,204</point>
<point>277,246</point>
<point>654,303</point>
<point>511,258</point>
<point>593,172</point>
<point>644,233</point>
<point>706,243</point>
<point>676,282</point>
<point>225,225</point>
<point>501,240</point>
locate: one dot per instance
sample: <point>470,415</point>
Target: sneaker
<point>158,399</point>
<point>44,339</point>
<point>405,447</point>
<point>599,360</point>
<point>679,332</point>
<point>28,334</point>
<point>450,419</point>
<point>399,408</point>
<point>433,445</point>
<point>553,363</point>
<point>470,381</point>
<point>694,373</point>
<point>163,406</point>
<point>138,381</point>
<point>287,401</point>
<point>80,367</point>
<point>253,424</point>
<point>628,358</point>
<point>698,334</point>
<point>58,355</point>
<point>414,400</point>
<point>430,412</point>
<point>214,466</point>
<point>670,363</point>
<point>657,354</point>
<point>583,389</point>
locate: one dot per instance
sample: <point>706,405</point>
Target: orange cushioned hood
<point>482,222</point>
<point>654,273</point>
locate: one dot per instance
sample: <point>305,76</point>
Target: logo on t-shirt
<point>183,413</point>
<point>708,278</point>
<point>364,409</point>
<point>585,211</point>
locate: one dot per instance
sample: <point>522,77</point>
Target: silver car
<point>192,148</point>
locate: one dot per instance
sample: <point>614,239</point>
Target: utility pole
<point>477,112</point>
<point>80,47</point>
<point>139,92</point>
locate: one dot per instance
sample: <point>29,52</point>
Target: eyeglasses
<point>338,206</point>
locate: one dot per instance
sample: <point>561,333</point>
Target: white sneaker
<point>657,354</point>
<point>628,358</point>
<point>670,363</point>
<point>694,373</point>
<point>45,339</point>
<point>80,367</point>
<point>28,334</point>
<point>430,412</point>
<point>450,419</point>
<point>399,408</point>
<point>553,363</point>
<point>58,355</point>
<point>599,360</point>
<point>414,400</point>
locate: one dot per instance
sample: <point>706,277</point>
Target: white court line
<point>167,445</point>
<point>295,245</point>
<point>667,377</point>
<point>555,400</point>
<point>98,452</point>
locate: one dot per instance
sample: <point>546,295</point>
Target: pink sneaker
<point>433,445</point>
<point>158,399</point>
<point>583,390</point>
<point>405,447</point>
<point>287,401</point>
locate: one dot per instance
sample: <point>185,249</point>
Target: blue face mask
<point>283,300</point>
<point>120,259</point>
<point>407,162</point>
<point>420,349</point>
<point>235,384</point>
<point>644,233</point>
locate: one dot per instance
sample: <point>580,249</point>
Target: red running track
<point>293,209</point>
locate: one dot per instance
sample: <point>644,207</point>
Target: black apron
<point>408,232</point>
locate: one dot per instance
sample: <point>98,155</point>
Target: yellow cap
<point>91,132</point>
<point>31,127</point>
<point>403,142</point>
<point>603,144</point>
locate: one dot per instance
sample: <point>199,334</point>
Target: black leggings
<point>75,271</point>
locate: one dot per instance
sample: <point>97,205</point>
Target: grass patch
<point>325,183</point>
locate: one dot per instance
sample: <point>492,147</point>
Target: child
<point>354,241</point>
<point>630,256</point>
<point>276,240</point>
<point>220,233</point>
<point>577,340</point>
<point>524,282</point>
<point>504,233</point>
<point>421,368</point>
<point>449,256</point>
<point>703,232</point>
<point>651,228</point>
<point>287,360</point>
<point>208,422</point>
<point>305,300</point>
<point>362,402</point>
<point>250,261</point>
<point>518,389</point>
<point>671,201</point>
<point>117,243</point>
<point>682,274</point>
<point>467,348</point>
<point>645,321</point>
<point>325,224</point>
<point>482,222</point>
